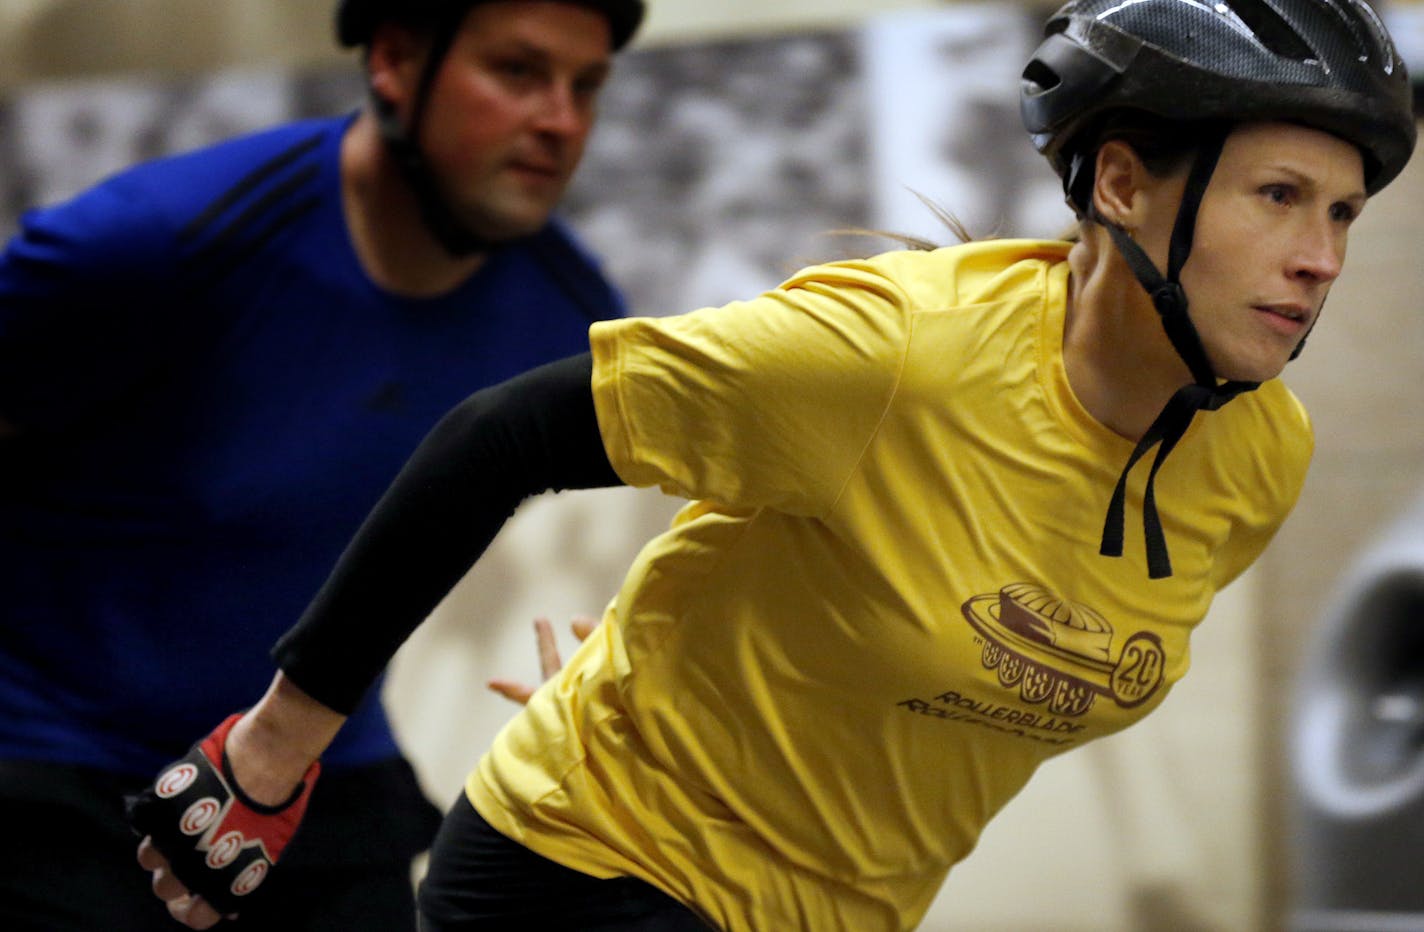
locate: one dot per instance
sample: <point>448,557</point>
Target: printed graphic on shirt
<point>1058,655</point>
<point>1061,653</point>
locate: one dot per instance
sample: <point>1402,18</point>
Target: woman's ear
<point>1117,184</point>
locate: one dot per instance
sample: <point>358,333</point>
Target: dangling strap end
<point>1158,565</point>
<point>1113,527</point>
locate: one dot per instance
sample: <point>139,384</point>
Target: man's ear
<point>394,62</point>
<point>1118,180</point>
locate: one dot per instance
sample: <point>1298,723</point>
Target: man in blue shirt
<point>211,366</point>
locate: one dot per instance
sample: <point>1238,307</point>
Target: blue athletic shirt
<point>212,394</point>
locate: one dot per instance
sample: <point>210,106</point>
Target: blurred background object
<point>1357,746</point>
<point>1405,19</point>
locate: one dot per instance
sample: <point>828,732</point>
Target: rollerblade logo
<point>199,816</point>
<point>1060,654</point>
<point>250,877</point>
<point>176,781</point>
<point>1060,659</point>
<point>225,850</point>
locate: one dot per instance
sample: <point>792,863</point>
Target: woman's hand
<point>186,907</point>
<point>549,660</point>
<point>222,815</point>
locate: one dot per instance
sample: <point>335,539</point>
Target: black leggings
<point>481,880</point>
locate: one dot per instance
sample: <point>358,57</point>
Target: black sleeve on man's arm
<point>535,432</point>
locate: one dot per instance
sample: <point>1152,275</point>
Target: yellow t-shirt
<point>885,606</point>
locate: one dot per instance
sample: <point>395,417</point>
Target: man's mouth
<point>539,169</point>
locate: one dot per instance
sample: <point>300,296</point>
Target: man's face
<point>510,110</point>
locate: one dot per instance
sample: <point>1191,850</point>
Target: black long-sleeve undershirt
<point>533,433</point>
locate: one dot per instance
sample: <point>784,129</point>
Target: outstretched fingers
<point>583,626</point>
<point>550,663</point>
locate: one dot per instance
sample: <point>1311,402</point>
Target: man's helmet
<point>357,19</point>
<point>1327,64</point>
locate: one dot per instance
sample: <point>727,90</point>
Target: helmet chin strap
<point>1205,394</point>
<point>402,141</point>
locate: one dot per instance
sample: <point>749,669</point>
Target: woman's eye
<point>1278,193</point>
<point>1343,213</point>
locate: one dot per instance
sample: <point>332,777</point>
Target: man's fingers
<point>583,626</point>
<point>514,692</point>
<point>549,660</point>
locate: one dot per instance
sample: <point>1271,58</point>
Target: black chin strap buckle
<point>1169,299</point>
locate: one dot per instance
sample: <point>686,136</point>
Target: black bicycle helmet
<point>1327,64</point>
<point>357,19</point>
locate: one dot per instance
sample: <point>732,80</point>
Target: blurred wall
<point>1175,825</point>
<point>65,38</point>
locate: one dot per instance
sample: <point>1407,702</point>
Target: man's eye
<point>516,69</point>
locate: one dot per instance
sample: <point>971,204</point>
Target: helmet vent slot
<point>1269,28</point>
<point>1038,77</point>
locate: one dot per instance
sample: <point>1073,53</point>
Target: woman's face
<point>1269,242</point>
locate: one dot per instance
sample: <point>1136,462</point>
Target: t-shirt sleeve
<point>84,292</point>
<point>762,403</point>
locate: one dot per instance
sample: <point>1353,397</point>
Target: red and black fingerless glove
<point>219,843</point>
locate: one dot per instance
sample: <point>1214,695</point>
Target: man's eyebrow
<point>517,45</point>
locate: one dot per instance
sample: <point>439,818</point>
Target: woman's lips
<point>1288,319</point>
